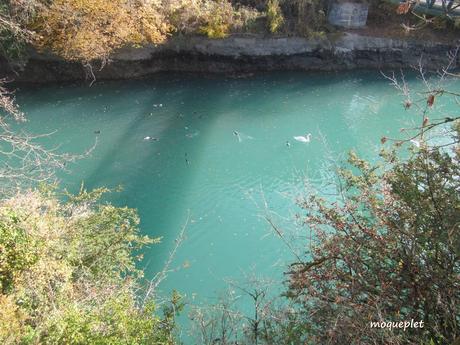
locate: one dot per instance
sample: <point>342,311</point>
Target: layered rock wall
<point>244,54</point>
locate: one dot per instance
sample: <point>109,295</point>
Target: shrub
<point>304,17</point>
<point>87,30</point>
<point>14,16</point>
<point>213,18</point>
<point>387,250</point>
<point>275,17</point>
<point>217,19</point>
<point>68,274</point>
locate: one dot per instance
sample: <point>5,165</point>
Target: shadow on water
<point>187,126</point>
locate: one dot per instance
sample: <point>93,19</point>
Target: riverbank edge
<point>242,55</point>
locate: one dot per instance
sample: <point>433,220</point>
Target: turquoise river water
<point>225,155</point>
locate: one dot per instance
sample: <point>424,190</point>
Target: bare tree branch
<point>24,159</point>
<point>160,276</point>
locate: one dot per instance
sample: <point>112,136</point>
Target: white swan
<point>151,138</point>
<point>304,139</point>
<point>415,142</point>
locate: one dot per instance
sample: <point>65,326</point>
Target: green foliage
<point>116,321</point>
<point>11,43</point>
<point>14,35</point>
<point>275,17</point>
<point>213,18</point>
<point>304,17</point>
<point>217,20</point>
<point>18,250</point>
<point>68,275</point>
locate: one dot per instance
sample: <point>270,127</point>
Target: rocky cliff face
<point>239,55</point>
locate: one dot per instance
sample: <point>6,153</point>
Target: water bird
<point>288,144</point>
<point>150,138</point>
<point>186,159</point>
<point>415,142</point>
<point>158,105</point>
<point>241,136</point>
<point>192,135</point>
<point>97,132</point>
<point>303,139</point>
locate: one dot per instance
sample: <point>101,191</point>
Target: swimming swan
<point>305,139</point>
<point>416,143</point>
<point>151,138</point>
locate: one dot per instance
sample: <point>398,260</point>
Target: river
<point>225,158</point>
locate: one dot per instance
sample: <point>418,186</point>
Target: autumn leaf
<point>403,8</point>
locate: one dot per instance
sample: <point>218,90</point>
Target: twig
<point>160,276</point>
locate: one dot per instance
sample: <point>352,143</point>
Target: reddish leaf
<point>403,8</point>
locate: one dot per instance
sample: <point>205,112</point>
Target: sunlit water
<point>225,157</point>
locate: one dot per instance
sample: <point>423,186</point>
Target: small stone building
<point>348,14</point>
